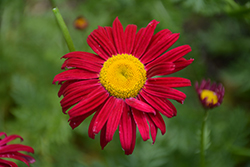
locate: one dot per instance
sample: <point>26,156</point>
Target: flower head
<point>118,83</point>
<point>80,23</point>
<point>12,151</point>
<point>210,95</point>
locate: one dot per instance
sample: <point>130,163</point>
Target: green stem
<point>64,29</point>
<point>202,146</point>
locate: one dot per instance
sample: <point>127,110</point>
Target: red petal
<point>130,151</point>
<point>103,41</point>
<point>90,131</point>
<point>92,101</point>
<point>139,105</point>
<point>74,74</point>
<point>170,56</point>
<point>141,122</point>
<point>159,36</point>
<point>169,82</point>
<point>159,48</point>
<point>90,57</point>
<point>125,129</point>
<point>159,122</point>
<point>97,48</point>
<point>161,69</point>
<point>76,121</point>
<point>103,141</point>
<point>69,86</point>
<point>76,95</point>
<point>9,138</point>
<point>109,31</point>
<point>6,163</point>
<point>145,39</point>
<point>2,133</point>
<point>114,118</point>
<point>82,64</point>
<point>164,106</point>
<point>169,93</point>
<point>103,115</point>
<point>19,156</point>
<point>130,32</point>
<point>153,128</point>
<point>16,147</point>
<point>179,65</point>
<point>119,36</point>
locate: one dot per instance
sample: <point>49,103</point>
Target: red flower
<point>118,84</point>
<point>210,95</point>
<point>12,151</point>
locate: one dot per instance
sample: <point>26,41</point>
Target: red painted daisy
<point>12,151</point>
<point>118,83</point>
<point>210,95</point>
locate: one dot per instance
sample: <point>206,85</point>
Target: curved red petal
<point>153,128</point>
<point>119,37</point>
<point>75,74</point>
<point>172,82</point>
<point>139,105</point>
<point>103,140</point>
<point>141,122</point>
<point>160,104</point>
<point>159,122</point>
<point>170,56</point>
<point>130,32</point>
<point>97,48</point>
<point>114,118</point>
<point>103,41</point>
<point>169,93</point>
<point>125,129</point>
<point>6,163</point>
<point>9,138</point>
<point>76,96</point>
<point>86,56</point>
<point>145,39</point>
<point>159,36</point>
<point>159,48</point>
<point>76,121</point>
<point>91,102</point>
<point>103,115</point>
<point>16,147</point>
<point>81,64</point>
<point>163,68</point>
<point>72,85</point>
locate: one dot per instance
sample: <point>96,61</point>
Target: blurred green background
<point>31,45</point>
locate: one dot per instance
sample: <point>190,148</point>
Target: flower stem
<point>64,29</point>
<point>202,144</point>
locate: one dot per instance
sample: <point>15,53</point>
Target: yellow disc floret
<point>123,76</point>
<point>210,95</point>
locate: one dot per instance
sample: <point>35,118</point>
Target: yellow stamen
<point>210,95</point>
<point>123,76</point>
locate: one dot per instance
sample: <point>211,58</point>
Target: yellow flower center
<point>210,95</point>
<point>123,76</point>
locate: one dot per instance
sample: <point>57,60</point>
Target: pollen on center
<point>123,76</point>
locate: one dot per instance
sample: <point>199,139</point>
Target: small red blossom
<point>210,95</point>
<point>118,84</point>
<point>12,151</point>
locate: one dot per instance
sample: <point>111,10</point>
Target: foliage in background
<point>31,45</point>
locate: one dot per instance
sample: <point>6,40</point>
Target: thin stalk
<point>202,144</point>
<point>64,29</point>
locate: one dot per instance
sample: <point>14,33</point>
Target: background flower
<point>210,95</point>
<point>12,151</point>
